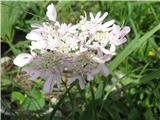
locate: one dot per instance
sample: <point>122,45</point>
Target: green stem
<point>59,103</point>
<point>69,95</point>
<point>93,102</point>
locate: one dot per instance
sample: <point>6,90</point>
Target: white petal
<point>113,48</point>
<point>91,16</point>
<point>98,60</point>
<point>109,23</point>
<point>22,59</point>
<point>98,15</point>
<point>38,45</point>
<point>34,35</point>
<point>105,50</point>
<point>51,12</point>
<point>103,17</point>
<point>35,25</point>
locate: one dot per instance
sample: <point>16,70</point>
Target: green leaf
<point>61,100</point>
<point>11,11</point>
<point>99,91</point>
<point>34,101</point>
<point>134,114</point>
<point>149,115</point>
<point>6,82</point>
<point>148,77</point>
<point>134,44</point>
<point>17,96</point>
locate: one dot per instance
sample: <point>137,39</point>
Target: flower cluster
<point>80,50</point>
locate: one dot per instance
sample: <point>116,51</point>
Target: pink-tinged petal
<point>121,41</point>
<point>107,57</point>
<point>23,59</point>
<point>32,72</point>
<point>116,29</point>
<point>34,75</point>
<point>51,12</point>
<point>71,79</point>
<point>98,59</point>
<point>96,70</point>
<point>105,70</point>
<point>77,77</point>
<point>81,82</point>
<point>125,31</point>
<point>48,85</point>
<point>52,78</point>
<point>99,52</point>
<point>90,76</point>
<point>105,51</point>
<point>45,74</point>
<point>57,78</point>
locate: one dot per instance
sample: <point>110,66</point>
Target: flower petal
<point>51,12</point>
<point>98,15</point>
<point>105,70</point>
<point>22,59</point>
<point>34,35</point>
<point>81,82</point>
<point>125,31</point>
<point>48,85</point>
<point>91,16</point>
<point>103,17</point>
<point>71,80</point>
<point>109,23</point>
<point>113,48</point>
<point>32,72</point>
<point>90,76</point>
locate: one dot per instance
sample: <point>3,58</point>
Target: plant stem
<point>93,102</point>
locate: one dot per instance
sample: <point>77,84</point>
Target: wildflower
<point>81,50</point>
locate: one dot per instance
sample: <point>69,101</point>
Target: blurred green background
<point>130,92</point>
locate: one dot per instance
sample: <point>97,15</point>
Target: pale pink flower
<point>80,50</point>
